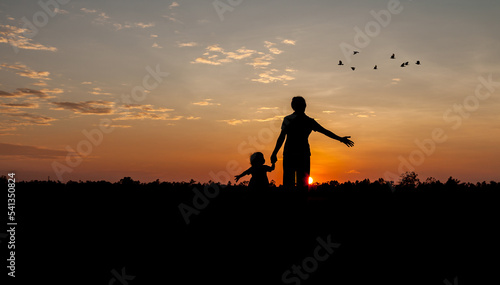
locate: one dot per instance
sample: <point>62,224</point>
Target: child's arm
<point>246,172</point>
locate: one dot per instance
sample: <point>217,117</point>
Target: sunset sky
<point>178,90</point>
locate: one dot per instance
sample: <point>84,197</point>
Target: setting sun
<point>310,180</point>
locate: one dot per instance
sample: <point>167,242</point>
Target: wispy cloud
<point>25,71</point>
<point>269,76</point>
<point>206,102</point>
<point>31,119</point>
<point>190,44</point>
<point>173,5</point>
<point>101,18</point>
<point>143,25</point>
<point>261,62</point>
<point>144,112</point>
<point>288,42</point>
<point>20,105</point>
<point>156,45</point>
<point>234,122</point>
<point>365,114</point>
<point>28,151</point>
<point>86,10</point>
<point>98,91</point>
<point>205,61</point>
<point>20,92</point>
<point>86,107</point>
<point>17,37</point>
<point>60,11</point>
<point>352,171</point>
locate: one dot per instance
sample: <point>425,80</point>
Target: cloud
<point>190,44</point>
<point>87,107</point>
<point>277,117</point>
<point>86,83</point>
<point>143,112</point>
<point>147,108</point>
<point>28,151</point>
<point>31,119</point>
<point>262,61</point>
<point>25,92</point>
<point>156,45</point>
<point>40,83</point>
<point>120,126</point>
<point>234,122</point>
<point>395,81</point>
<point>239,54</point>
<point>153,36</point>
<point>275,51</point>
<point>206,102</point>
<point>269,46</point>
<point>52,91</point>
<point>60,11</point>
<point>366,114</point>
<point>85,10</point>
<point>352,172</point>
<point>97,91</point>
<point>329,112</point>
<point>20,105</point>
<point>5,131</point>
<point>173,5</point>
<point>6,94</point>
<point>288,42</point>
<point>25,71</point>
<point>20,38</point>
<point>216,55</point>
<point>268,108</point>
<point>144,26</point>
<point>269,77</point>
<point>171,18</point>
<point>103,19</point>
<point>205,61</point>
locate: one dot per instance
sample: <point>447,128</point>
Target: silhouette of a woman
<point>296,154</point>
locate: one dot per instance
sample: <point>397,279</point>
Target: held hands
<point>237,177</point>
<point>347,141</point>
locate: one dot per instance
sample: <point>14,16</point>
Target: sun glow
<point>310,180</point>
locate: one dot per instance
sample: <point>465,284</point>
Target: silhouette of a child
<point>258,171</point>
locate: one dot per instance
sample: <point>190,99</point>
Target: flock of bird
<point>393,56</point>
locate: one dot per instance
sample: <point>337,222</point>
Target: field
<point>190,233</point>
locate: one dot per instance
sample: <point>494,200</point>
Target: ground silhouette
<point>403,232</point>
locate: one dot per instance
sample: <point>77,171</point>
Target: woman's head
<point>257,158</point>
<point>299,104</point>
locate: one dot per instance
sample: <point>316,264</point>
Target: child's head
<point>299,104</point>
<point>257,158</point>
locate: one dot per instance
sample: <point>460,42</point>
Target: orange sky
<point>188,90</point>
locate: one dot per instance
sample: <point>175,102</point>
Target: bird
<point>418,62</point>
<point>355,52</point>
<point>375,67</point>
<point>406,63</point>
<point>393,56</point>
<point>353,68</point>
<point>340,62</point>
<point>403,64</point>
